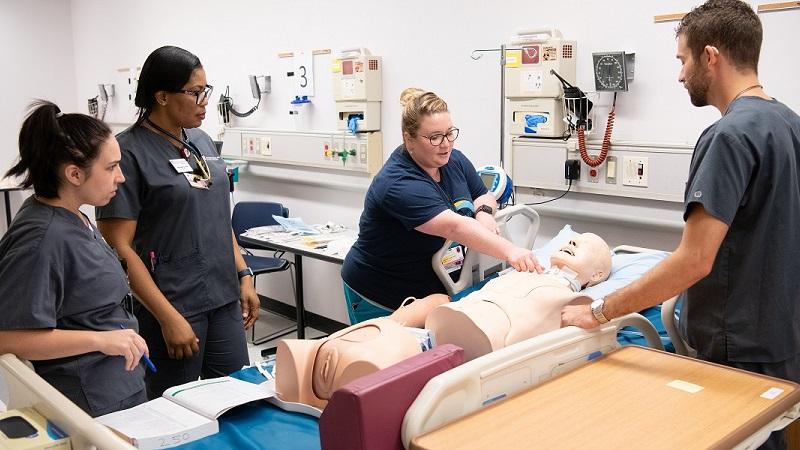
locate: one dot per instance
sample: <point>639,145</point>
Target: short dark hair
<point>48,139</point>
<point>166,69</point>
<point>730,25</point>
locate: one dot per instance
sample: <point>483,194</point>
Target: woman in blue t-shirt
<point>412,206</point>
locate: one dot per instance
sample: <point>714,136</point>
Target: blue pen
<point>146,360</point>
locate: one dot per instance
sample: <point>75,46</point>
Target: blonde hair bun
<point>409,95</point>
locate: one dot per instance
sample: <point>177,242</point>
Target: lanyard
<point>187,150</point>
<point>188,147</point>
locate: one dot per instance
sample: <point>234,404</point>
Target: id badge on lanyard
<point>453,258</point>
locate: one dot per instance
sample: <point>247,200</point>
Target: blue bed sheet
<point>260,425</point>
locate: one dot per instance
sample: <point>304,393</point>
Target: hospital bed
<point>27,389</point>
<point>496,376</point>
<point>486,380</point>
<point>507,371</point>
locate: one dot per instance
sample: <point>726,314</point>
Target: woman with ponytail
<point>62,288</point>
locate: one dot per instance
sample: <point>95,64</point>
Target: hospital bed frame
<point>27,389</point>
<point>510,370</point>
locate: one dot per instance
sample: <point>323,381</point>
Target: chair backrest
<point>248,215</point>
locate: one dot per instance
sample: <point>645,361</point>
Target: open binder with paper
<point>184,413</point>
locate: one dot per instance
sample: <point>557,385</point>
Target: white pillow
<point>625,267</point>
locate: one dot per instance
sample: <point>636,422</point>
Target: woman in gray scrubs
<point>62,287</point>
<point>171,222</point>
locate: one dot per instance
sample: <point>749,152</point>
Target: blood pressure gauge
<point>612,70</point>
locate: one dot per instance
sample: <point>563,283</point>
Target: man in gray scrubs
<point>742,205</point>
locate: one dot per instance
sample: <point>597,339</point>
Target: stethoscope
<point>188,149</point>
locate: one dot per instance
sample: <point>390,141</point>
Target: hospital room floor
<point>269,322</point>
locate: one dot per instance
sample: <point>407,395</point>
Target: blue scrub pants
<point>360,308</point>
<point>223,348</point>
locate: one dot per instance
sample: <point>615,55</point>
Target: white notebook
<point>184,413</point>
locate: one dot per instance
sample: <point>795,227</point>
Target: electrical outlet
<point>265,145</point>
<point>248,145</point>
<point>635,170</point>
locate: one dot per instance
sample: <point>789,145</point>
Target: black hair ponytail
<point>49,139</point>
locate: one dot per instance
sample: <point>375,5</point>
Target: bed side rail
<point>471,259</point>
<point>27,389</point>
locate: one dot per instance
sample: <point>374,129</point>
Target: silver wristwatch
<point>597,310</point>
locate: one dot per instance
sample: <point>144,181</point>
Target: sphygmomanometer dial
<point>609,71</point>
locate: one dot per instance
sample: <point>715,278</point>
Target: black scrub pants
<point>223,348</point>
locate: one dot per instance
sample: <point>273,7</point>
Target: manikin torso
<point>508,309</point>
<point>309,371</point>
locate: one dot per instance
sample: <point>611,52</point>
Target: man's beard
<point>697,85</point>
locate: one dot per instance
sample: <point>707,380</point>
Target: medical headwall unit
<point>357,90</point>
<point>535,95</point>
<point>356,147</point>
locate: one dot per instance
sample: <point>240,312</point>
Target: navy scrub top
<point>391,259</point>
<point>55,272</point>
<point>186,230</point>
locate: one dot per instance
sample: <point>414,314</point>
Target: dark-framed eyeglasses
<point>200,95</point>
<point>438,138</point>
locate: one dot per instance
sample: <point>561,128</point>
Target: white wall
<point>38,61</point>
<point>423,43</point>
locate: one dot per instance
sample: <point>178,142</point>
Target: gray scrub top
<point>746,172</point>
<point>55,272</point>
<point>183,234</point>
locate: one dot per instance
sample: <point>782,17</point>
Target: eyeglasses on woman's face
<point>437,138</point>
<point>200,94</point>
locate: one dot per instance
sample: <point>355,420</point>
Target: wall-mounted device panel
<point>648,171</point>
<point>361,152</point>
<point>535,95</point>
<point>357,90</point>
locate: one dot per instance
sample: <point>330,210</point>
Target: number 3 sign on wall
<point>304,73</point>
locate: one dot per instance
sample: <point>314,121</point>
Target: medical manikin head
<point>588,256</point>
<point>309,371</point>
